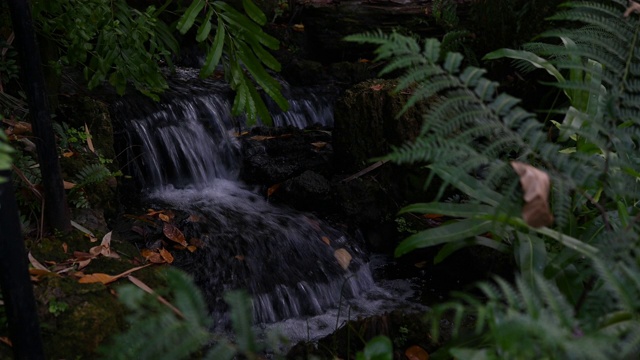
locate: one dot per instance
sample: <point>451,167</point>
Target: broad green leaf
<point>528,56</point>
<point>450,248</point>
<point>378,348</point>
<point>449,209</point>
<point>455,231</point>
<point>254,12</point>
<point>467,184</point>
<point>186,21</point>
<point>215,52</point>
<point>531,256</point>
<point>205,28</point>
<point>260,108</point>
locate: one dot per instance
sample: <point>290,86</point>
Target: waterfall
<point>184,152</point>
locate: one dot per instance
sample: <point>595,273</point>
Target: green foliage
<point>157,331</point>
<point>378,348</point>
<point>57,307</point>
<point>245,44</point>
<point>8,63</point>
<point>5,153</point>
<point>577,293</point>
<point>90,174</point>
<point>114,42</point>
<point>110,41</point>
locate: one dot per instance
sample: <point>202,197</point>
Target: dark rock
<point>308,191</point>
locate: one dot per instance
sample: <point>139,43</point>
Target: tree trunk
<point>56,210</point>
<point>17,292</point>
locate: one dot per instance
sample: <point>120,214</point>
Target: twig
<point>364,171</point>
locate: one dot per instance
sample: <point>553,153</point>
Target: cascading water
<point>187,158</point>
<point>185,155</point>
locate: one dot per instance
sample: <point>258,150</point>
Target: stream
<point>306,277</point>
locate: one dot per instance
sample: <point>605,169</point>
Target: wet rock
<point>308,191</point>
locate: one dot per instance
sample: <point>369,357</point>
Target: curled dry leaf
<point>634,7</point>
<point>166,255</point>
<point>36,264</point>
<point>164,217</point>
<point>326,240</point>
<point>343,257</point>
<point>174,234</point>
<point>106,278</point>
<point>535,185</point>
<point>415,352</point>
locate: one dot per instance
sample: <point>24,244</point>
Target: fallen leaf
<point>298,27</point>
<point>68,154</point>
<point>36,264</point>
<point>343,257</point>
<point>326,240</point>
<point>319,144</point>
<point>272,189</point>
<point>239,257</point>
<point>196,243</point>
<point>192,248</point>
<point>106,278</point>
<point>194,218</point>
<point>634,7</point>
<point>415,352</point>
<point>535,185</point>
<point>261,137</point>
<point>65,247</point>
<point>164,217</point>
<point>79,255</point>
<point>83,264</point>
<point>166,255</point>
<point>364,60</point>
<point>174,234</point>
<point>21,127</point>
<point>137,282</point>
<point>40,272</point>
<point>106,239</point>
<point>68,185</point>
<point>5,340</point>
<point>89,141</point>
<point>97,278</point>
<point>376,87</point>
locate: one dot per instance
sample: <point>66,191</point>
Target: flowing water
<point>185,155</point>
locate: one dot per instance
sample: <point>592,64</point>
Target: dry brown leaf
<point>272,189</point>
<point>194,218</point>
<point>83,264</point>
<point>166,255</point>
<point>89,141</point>
<point>152,256</point>
<point>36,264</point>
<point>106,278</point>
<point>298,27</point>
<point>137,282</point>
<point>192,248</point>
<point>174,234</point>
<point>21,127</point>
<point>40,272</point>
<point>196,243</point>
<point>326,240</point>
<point>319,144</point>
<point>535,185</point>
<point>164,217</point>
<point>415,352</point>
<point>65,247</point>
<point>376,87</point>
<point>68,185</point>
<point>634,7</point>
<point>97,278</point>
<point>68,154</point>
<point>261,138</point>
<point>79,255</point>
<point>343,257</point>
<point>5,340</point>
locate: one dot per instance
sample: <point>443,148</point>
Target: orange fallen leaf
<point>106,278</point>
<point>39,272</point>
<point>192,248</point>
<point>164,217</point>
<point>364,60</point>
<point>416,353</point>
<point>272,189</point>
<point>535,185</point>
<point>166,255</point>
<point>5,340</point>
<point>319,144</point>
<point>261,137</point>
<point>326,240</point>
<point>68,154</point>
<point>343,257</point>
<point>298,27</point>
<point>68,185</point>
<point>376,87</point>
<point>174,234</point>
